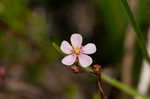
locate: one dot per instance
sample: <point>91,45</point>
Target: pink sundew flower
<point>77,52</point>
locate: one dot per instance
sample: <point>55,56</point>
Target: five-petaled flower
<point>77,52</point>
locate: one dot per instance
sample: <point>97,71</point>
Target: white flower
<point>77,52</point>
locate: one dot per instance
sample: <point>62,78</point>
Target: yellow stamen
<point>76,50</point>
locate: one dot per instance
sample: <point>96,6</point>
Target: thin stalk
<point>96,70</point>
<point>113,82</point>
<point>139,36</point>
<point>122,87</point>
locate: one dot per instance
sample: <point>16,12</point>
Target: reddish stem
<point>96,71</point>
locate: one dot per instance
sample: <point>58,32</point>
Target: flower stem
<point>122,87</point>
<point>113,82</point>
<point>96,70</point>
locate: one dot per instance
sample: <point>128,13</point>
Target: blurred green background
<point>33,66</point>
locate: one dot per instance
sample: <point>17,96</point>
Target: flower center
<point>76,50</point>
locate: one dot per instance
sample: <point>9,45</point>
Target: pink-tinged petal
<point>85,60</point>
<point>76,40</point>
<point>90,48</point>
<point>69,60</point>
<point>66,47</point>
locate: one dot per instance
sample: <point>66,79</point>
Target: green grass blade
<point>140,38</point>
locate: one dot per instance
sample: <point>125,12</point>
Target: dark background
<point>33,68</point>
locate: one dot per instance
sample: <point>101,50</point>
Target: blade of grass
<point>139,36</point>
<point>113,82</point>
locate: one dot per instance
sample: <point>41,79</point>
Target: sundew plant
<point>74,49</point>
<point>77,52</point>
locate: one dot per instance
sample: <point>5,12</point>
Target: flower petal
<point>89,48</point>
<point>66,47</point>
<point>76,40</point>
<point>69,60</point>
<point>85,60</point>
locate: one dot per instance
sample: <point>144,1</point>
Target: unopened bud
<point>75,69</point>
<point>97,69</point>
